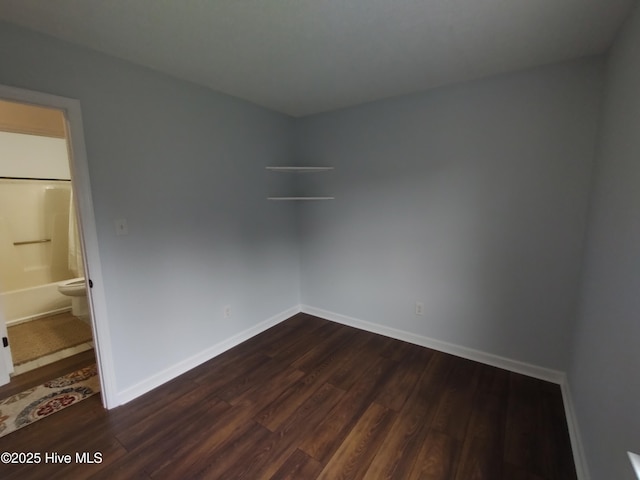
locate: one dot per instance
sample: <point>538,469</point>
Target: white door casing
<point>6,363</point>
<point>87,231</point>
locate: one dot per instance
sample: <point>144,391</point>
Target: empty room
<point>322,239</point>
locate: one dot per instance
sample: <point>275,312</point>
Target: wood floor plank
<point>108,448</point>
<point>556,453</point>
<point>456,401</point>
<point>301,423</point>
<point>512,472</point>
<point>357,451</point>
<point>274,414</point>
<point>438,458</point>
<point>353,362</point>
<point>401,446</point>
<point>416,416</point>
<point>261,395</point>
<point>310,398</point>
<point>339,338</point>
<point>292,351</point>
<point>331,432</point>
<point>154,427</point>
<point>378,344</point>
<point>151,453</point>
<point>399,386</point>
<point>243,456</point>
<point>197,454</point>
<point>241,383</point>
<point>396,350</point>
<point>219,375</point>
<point>523,445</point>
<point>133,465</point>
<point>138,409</point>
<point>157,432</point>
<point>483,446</point>
<point>298,466</point>
<point>431,386</point>
<point>271,339</point>
<point>313,411</point>
<point>479,460</point>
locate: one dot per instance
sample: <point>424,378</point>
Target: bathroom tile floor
<point>47,340</point>
<point>50,358</point>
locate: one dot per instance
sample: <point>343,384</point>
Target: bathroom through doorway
<point>42,283</point>
<point>82,246</point>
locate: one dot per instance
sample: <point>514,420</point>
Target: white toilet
<point>77,290</point>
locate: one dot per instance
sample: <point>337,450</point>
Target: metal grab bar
<point>44,240</point>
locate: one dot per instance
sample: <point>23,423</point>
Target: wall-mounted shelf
<point>295,169</point>
<point>299,169</point>
<point>287,199</point>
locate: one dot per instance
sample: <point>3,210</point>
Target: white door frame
<point>6,363</point>
<point>86,227</point>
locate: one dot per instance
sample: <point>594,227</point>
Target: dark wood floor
<point>313,399</point>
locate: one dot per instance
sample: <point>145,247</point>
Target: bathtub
<point>28,303</point>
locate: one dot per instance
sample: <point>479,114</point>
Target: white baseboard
<point>18,321</point>
<point>579,458</point>
<point>178,369</point>
<point>516,366</point>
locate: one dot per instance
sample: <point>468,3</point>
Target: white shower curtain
<point>75,251</point>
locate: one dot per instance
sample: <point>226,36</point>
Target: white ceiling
<point>307,56</point>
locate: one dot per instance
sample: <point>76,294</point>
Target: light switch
<point>121,227</point>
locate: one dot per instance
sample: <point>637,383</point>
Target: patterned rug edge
<point>36,403</point>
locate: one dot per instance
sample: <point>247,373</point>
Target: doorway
<point>87,236</point>
<point>40,251</point>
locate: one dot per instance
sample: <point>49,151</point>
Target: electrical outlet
<point>227,311</point>
<point>419,308</point>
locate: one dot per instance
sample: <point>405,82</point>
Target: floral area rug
<point>38,402</point>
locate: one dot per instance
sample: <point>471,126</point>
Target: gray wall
<point>604,371</point>
<point>185,167</point>
<point>471,199</point>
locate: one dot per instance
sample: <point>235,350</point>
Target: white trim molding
<point>579,458</point>
<point>184,366</point>
<point>516,366</point>
<point>18,321</point>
